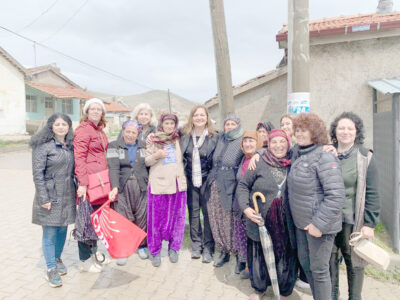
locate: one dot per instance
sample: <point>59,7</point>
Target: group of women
<point>312,199</point>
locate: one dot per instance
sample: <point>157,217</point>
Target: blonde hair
<point>188,127</point>
<point>289,116</point>
<point>141,106</point>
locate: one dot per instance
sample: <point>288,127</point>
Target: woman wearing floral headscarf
<point>264,128</point>
<point>222,181</point>
<point>251,142</point>
<point>166,206</point>
<point>129,177</point>
<point>269,178</point>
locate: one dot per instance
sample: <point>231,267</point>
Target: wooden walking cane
<point>268,249</point>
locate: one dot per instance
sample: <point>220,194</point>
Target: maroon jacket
<point>90,146</point>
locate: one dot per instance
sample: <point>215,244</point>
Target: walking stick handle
<point>255,196</point>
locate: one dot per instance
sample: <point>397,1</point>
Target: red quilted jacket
<point>90,146</point>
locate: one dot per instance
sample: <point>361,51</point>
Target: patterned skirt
<point>221,221</point>
<point>239,236</point>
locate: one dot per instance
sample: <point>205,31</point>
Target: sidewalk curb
<point>14,149</point>
<point>394,261</point>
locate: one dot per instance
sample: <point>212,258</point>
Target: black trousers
<point>355,276</point>
<point>202,240</point>
<point>86,250</point>
<point>286,269</point>
<point>314,255</point>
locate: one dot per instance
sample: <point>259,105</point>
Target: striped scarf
<point>196,164</point>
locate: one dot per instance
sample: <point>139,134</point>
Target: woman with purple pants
<point>166,206</point>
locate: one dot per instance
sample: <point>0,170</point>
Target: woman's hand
<point>252,215</point>
<point>330,148</point>
<point>313,230</point>
<point>47,205</point>
<point>367,232</point>
<point>81,192</point>
<point>161,153</point>
<point>113,193</point>
<point>253,161</point>
<point>149,139</point>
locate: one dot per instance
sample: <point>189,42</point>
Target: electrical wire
<point>38,17</point>
<point>65,23</point>
<point>77,59</point>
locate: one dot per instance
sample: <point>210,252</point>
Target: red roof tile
<point>114,107</point>
<point>60,91</point>
<point>348,24</point>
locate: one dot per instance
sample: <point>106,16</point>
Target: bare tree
<point>384,6</point>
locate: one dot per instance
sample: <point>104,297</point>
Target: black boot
<point>221,260</point>
<point>240,266</point>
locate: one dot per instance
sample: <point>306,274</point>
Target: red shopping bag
<point>120,236</point>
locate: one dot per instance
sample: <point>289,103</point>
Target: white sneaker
<point>90,266</point>
<point>302,285</point>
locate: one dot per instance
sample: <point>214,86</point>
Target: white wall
<point>12,99</point>
<point>49,77</point>
<point>340,73</point>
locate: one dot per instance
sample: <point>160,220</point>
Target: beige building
<point>12,95</point>
<point>345,53</point>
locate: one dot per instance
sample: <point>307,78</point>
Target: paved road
<point>22,263</point>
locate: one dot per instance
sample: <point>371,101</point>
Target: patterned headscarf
<point>268,126</point>
<point>133,123</point>
<point>270,158</point>
<point>161,137</point>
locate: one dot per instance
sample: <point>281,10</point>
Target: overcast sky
<point>160,44</point>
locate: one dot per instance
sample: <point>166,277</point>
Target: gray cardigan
<point>316,190</point>
<point>120,168</point>
<point>53,175</point>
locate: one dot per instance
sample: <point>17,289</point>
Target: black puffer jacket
<point>53,175</point>
<point>316,190</point>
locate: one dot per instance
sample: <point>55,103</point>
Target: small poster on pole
<point>298,103</point>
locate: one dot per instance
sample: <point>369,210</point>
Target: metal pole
<point>396,173</point>
<point>223,64</point>
<point>34,52</point>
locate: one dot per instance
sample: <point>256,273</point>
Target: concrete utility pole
<point>222,61</point>
<point>298,55</point>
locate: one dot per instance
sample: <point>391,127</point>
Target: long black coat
<point>53,175</point>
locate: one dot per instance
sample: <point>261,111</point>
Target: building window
<point>31,103</point>
<point>67,106</point>
<point>49,103</point>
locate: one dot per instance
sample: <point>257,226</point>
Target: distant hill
<point>158,100</point>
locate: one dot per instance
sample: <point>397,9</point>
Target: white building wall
<point>340,73</point>
<point>12,99</point>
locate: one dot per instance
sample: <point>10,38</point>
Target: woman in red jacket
<point>90,146</point>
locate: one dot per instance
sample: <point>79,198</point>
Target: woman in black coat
<point>54,202</point>
<point>198,141</point>
<point>269,178</point>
